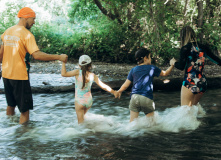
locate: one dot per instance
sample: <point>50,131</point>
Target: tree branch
<point>107,13</point>
<point>200,18</point>
<point>185,11</point>
<point>155,23</point>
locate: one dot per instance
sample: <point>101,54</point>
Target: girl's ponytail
<point>84,69</point>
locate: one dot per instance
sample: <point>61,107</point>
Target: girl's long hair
<point>187,35</point>
<point>84,69</point>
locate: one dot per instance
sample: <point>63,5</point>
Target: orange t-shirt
<point>17,42</point>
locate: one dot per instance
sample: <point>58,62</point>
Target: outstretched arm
<point>168,71</point>
<point>103,85</point>
<point>209,54</point>
<point>1,49</point>
<point>38,55</point>
<point>1,52</point>
<point>181,63</point>
<point>64,73</point>
<point>123,87</point>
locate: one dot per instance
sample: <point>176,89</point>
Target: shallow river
<point>176,132</point>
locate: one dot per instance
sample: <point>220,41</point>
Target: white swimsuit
<point>84,96</point>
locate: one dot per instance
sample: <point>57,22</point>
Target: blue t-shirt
<point>142,79</point>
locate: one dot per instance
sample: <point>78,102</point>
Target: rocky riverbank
<point>45,77</point>
<point>112,69</point>
<point>115,74</point>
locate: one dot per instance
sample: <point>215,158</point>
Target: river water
<point>176,132</point>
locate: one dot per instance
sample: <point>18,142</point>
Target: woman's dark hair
<point>140,54</point>
<point>84,69</point>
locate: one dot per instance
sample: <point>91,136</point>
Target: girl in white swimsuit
<point>84,80</point>
<point>83,95</point>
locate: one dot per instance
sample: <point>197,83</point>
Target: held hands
<point>63,58</point>
<point>172,62</point>
<point>117,94</point>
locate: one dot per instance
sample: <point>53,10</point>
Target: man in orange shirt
<point>17,41</point>
<point>1,51</point>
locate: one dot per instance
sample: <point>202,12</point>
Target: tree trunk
<point>184,12</point>
<point>156,29</point>
<point>107,13</point>
<point>200,18</point>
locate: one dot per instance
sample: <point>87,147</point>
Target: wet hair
<point>187,35</point>
<point>84,69</point>
<point>140,54</point>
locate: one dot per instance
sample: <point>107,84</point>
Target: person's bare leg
<point>24,117</point>
<point>10,111</point>
<point>80,111</point>
<point>151,114</point>
<point>187,97</point>
<point>133,115</point>
<point>86,109</point>
<point>197,98</point>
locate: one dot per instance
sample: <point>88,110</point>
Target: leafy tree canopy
<point>112,30</point>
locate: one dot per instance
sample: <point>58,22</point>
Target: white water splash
<point>176,119</point>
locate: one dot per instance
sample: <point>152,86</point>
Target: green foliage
<point>8,16</point>
<point>103,42</point>
<point>82,10</point>
<point>112,30</point>
<point>212,33</point>
<point>48,40</point>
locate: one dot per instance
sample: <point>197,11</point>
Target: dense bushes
<point>111,31</point>
<point>103,42</point>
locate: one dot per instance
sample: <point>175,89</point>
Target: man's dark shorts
<point>18,93</point>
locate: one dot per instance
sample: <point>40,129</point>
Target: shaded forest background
<point>112,30</point>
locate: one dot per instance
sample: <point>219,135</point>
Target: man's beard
<point>28,26</point>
